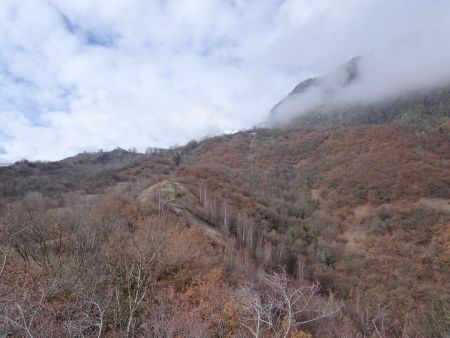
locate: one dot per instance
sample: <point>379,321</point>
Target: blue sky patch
<point>90,37</point>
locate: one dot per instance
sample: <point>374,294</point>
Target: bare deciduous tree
<point>280,307</point>
<point>137,279</point>
<point>29,220</point>
<point>9,238</point>
<point>256,312</point>
<point>23,310</point>
<point>369,320</point>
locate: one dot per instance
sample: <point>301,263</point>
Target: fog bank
<point>417,62</point>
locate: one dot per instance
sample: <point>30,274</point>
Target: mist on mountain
<point>413,64</point>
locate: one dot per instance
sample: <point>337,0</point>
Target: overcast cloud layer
<point>84,75</point>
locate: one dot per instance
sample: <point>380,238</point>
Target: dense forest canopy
<point>351,224</point>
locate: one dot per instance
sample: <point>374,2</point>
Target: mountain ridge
<point>429,106</point>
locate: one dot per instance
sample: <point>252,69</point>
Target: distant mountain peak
<point>333,100</point>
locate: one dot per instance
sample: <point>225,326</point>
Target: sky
<point>415,63</point>
<point>85,75</point>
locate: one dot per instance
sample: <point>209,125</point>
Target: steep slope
<point>336,99</point>
<point>364,210</point>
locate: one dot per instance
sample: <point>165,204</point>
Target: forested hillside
<point>351,224</point>
<point>225,169</point>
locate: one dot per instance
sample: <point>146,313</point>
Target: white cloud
<point>83,75</point>
<point>413,63</point>
<point>302,12</point>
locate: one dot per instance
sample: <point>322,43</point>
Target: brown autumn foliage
<point>353,202</point>
<point>362,210</point>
